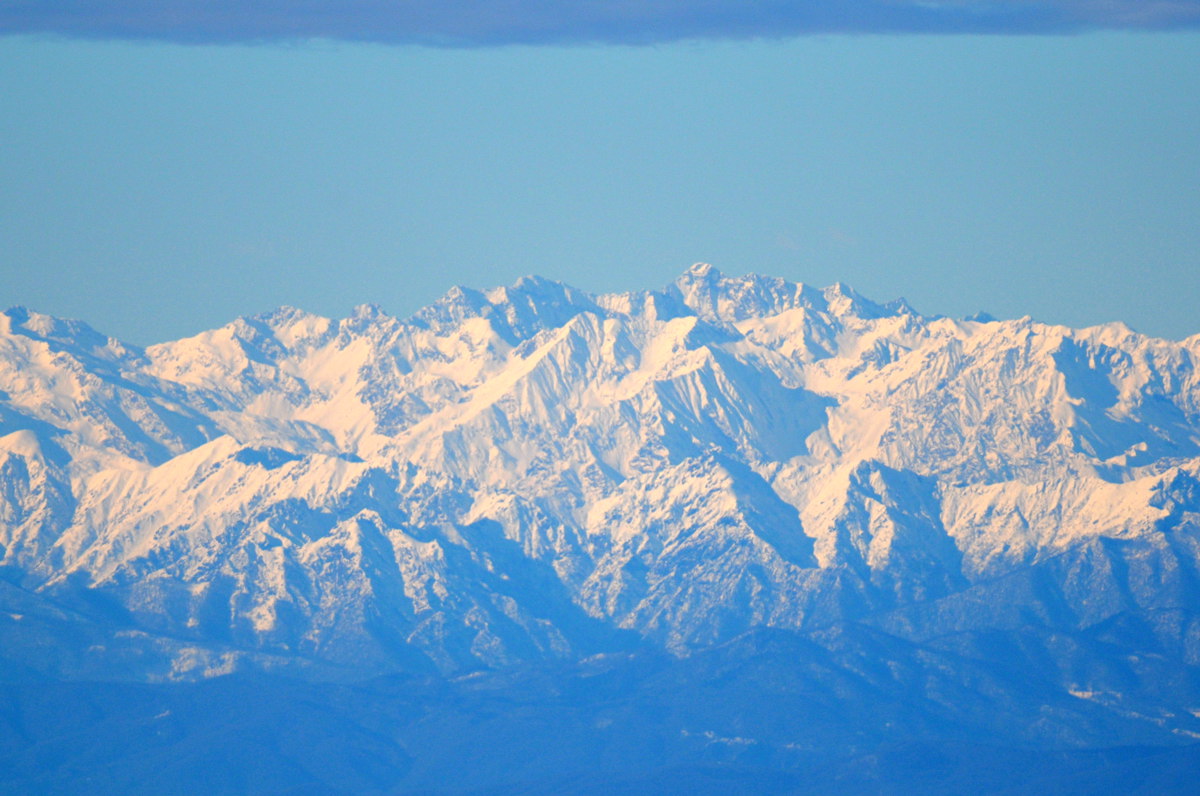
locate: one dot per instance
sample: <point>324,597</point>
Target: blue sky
<point>155,186</point>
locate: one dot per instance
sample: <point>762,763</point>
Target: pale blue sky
<point>159,189</point>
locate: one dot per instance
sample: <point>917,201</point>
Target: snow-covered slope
<point>531,472</point>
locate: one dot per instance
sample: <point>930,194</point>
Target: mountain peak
<point>367,312</point>
<point>792,491</point>
<point>679,463</point>
<point>716,296</point>
<point>703,271</point>
<point>63,333</point>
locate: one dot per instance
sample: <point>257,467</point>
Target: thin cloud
<point>493,22</point>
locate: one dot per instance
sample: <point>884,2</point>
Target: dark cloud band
<point>490,22</point>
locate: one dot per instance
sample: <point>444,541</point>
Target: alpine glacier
<point>532,473</point>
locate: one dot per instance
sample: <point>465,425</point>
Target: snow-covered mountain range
<point>532,473</point>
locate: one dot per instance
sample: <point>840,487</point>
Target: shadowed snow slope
<point>532,473</point>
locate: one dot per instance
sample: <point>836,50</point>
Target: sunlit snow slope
<point>534,472</point>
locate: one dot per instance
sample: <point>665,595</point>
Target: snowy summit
<point>532,472</point>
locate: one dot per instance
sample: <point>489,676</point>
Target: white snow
<point>676,457</point>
